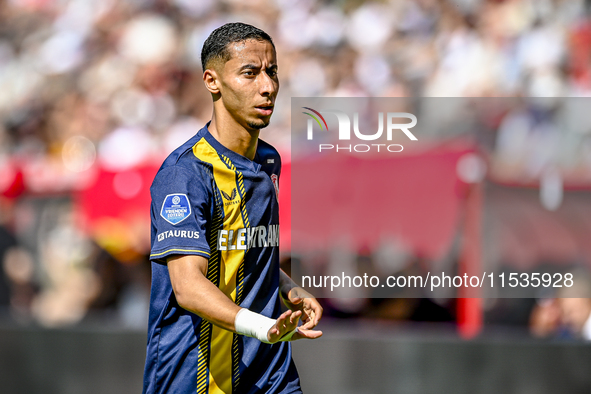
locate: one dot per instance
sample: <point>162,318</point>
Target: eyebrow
<point>247,66</point>
<point>255,66</point>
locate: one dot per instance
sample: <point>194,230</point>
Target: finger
<point>272,334</point>
<point>284,316</point>
<point>308,325</point>
<point>305,319</point>
<point>281,321</point>
<point>314,313</point>
<point>314,310</point>
<point>305,315</point>
<point>317,314</point>
<point>278,329</point>
<point>306,334</point>
<point>295,316</point>
<point>287,322</point>
<point>309,312</point>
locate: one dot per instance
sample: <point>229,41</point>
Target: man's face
<point>249,83</point>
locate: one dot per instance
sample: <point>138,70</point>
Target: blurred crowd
<point>569,315</point>
<point>115,85</point>
<point>77,68</point>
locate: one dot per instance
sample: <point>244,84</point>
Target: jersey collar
<point>237,159</point>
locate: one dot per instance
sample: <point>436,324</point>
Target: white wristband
<point>253,324</point>
<point>257,326</point>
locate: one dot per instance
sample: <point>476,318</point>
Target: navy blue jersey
<point>210,201</point>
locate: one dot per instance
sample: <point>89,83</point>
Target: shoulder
<point>184,152</point>
<point>182,165</point>
<point>264,148</point>
<point>268,156</point>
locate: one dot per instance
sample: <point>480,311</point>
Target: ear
<point>210,78</point>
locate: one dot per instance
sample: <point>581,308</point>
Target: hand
<point>300,300</point>
<point>288,322</point>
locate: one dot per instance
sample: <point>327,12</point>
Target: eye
<point>248,73</point>
<point>272,73</point>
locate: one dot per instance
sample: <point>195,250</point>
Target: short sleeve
<point>181,209</point>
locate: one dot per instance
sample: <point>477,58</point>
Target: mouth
<point>265,109</point>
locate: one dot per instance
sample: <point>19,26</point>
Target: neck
<point>233,135</point>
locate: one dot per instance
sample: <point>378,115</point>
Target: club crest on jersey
<point>175,208</point>
<point>275,180</point>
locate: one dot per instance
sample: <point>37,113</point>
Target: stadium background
<point>94,95</point>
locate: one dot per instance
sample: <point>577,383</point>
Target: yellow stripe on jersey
<point>179,250</point>
<point>203,356</point>
<point>206,329</point>
<point>239,280</point>
<point>223,368</point>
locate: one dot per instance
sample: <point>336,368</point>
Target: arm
<point>195,293</point>
<point>298,299</point>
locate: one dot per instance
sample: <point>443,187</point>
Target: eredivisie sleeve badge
<point>175,208</point>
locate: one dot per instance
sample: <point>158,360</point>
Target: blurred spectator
<point>568,316</point>
<point>544,319</point>
<point>576,315</point>
<point>7,244</point>
<point>575,307</point>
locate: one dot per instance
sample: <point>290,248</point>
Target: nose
<point>267,85</point>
